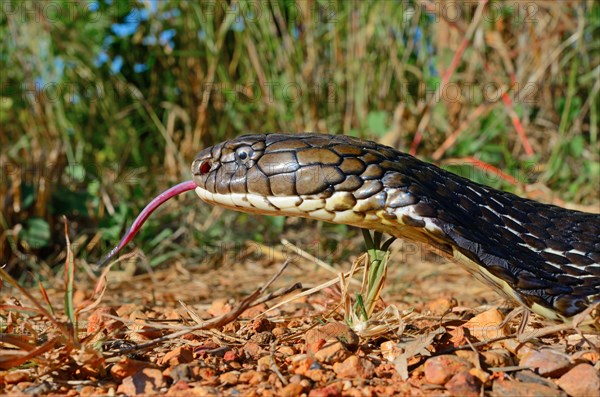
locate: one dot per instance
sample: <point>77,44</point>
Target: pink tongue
<point>146,212</point>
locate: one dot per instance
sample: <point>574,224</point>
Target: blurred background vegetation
<point>104,103</point>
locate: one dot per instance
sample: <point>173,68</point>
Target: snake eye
<point>243,153</point>
<point>204,167</point>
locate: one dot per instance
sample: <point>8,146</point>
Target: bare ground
<point>445,338</point>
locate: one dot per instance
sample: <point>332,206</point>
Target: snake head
<point>224,168</point>
<point>276,174</point>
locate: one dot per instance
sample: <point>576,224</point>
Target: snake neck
<point>543,256</point>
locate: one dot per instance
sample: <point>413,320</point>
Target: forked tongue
<point>146,212</point>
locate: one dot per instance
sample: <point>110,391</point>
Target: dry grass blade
<point>414,347</point>
<point>45,297</point>
<point>60,326</point>
<point>101,286</point>
<point>213,323</point>
<point>20,341</point>
<point>310,291</point>
<point>303,254</point>
<point>8,360</point>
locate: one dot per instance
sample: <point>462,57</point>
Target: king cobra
<point>544,257</point>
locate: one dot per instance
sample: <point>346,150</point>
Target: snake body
<point>545,257</point>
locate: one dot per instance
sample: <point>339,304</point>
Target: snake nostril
<point>204,167</point>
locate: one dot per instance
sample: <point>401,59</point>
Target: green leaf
<point>112,226</point>
<point>75,172</point>
<point>36,233</point>
<point>577,145</point>
<point>162,235</point>
<point>377,122</point>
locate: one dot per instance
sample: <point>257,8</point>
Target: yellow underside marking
<point>501,286</point>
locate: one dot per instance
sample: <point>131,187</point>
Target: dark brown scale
<point>286,146</point>
<point>278,163</point>
<point>386,152</point>
<point>317,156</point>
<point>503,273</point>
<point>415,189</point>
<point>350,184</point>
<point>489,216</point>
<point>586,290</point>
<point>533,241</point>
<point>445,216</point>
<point>352,166</point>
<point>409,221</point>
<point>513,225</point>
<point>257,182</point>
<point>539,221</point>
<point>313,179</point>
<point>589,228</point>
<point>558,245</point>
<point>370,158</point>
<point>559,290</point>
<point>559,232</point>
<point>470,206</point>
<point>347,150</point>
<point>450,186</point>
<point>537,230</point>
<point>590,282</point>
<point>520,216</point>
<point>528,280</point>
<point>569,305</point>
<point>522,206</point>
<point>425,209</point>
<point>393,168</point>
<point>569,280</point>
<point>595,270</point>
<point>394,180</point>
<point>558,259</point>
<point>579,260</point>
<point>373,171</point>
<point>368,189</point>
<point>580,246</point>
<point>283,184</point>
<point>495,206</point>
